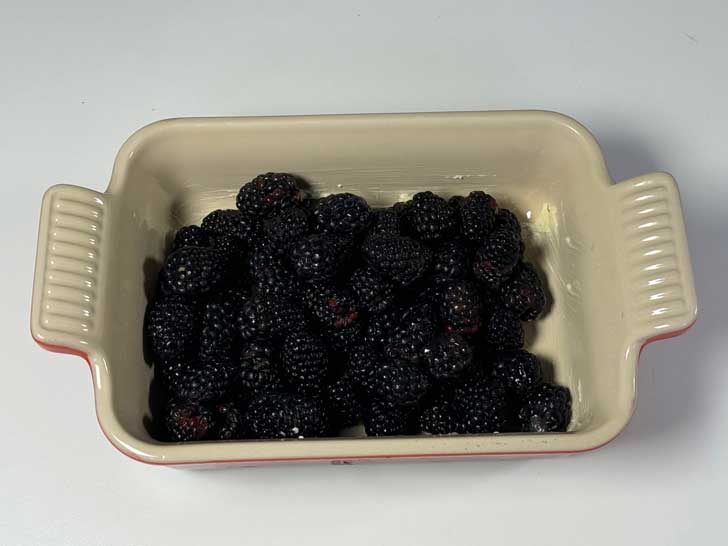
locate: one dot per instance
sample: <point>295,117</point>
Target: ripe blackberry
<point>373,292</point>
<point>282,231</point>
<point>200,382</point>
<point>344,408</point>
<point>333,309</point>
<point>264,317</point>
<point>546,408</point>
<point>381,419</point>
<point>230,223</point>
<point>396,383</point>
<point>363,359</point>
<point>518,370</point>
<point>171,328</point>
<point>283,415</point>
<point>411,334</point>
<point>304,363</point>
<point>315,257</point>
<point>342,214</point>
<point>505,220</point>
<point>257,374</point>
<point>232,249</point>
<point>385,222</point>
<point>503,330</point>
<point>437,417</point>
<point>218,330</point>
<point>229,422</point>
<point>495,260</point>
<point>447,356</point>
<point>477,216</point>
<point>482,405</point>
<point>460,307</point>
<point>268,194</point>
<point>270,276</point>
<point>450,261</point>
<point>380,325</point>
<point>399,258</point>
<point>189,236</point>
<point>522,293</point>
<point>192,271</point>
<point>187,421</point>
<point>429,217</point>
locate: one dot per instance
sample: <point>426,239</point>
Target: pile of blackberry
<point>292,317</point>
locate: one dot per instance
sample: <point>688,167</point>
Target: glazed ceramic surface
<point>614,257</point>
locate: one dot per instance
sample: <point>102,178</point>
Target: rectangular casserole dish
<point>615,257</point>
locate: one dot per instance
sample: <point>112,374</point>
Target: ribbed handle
<point>69,268</point>
<point>657,275</point>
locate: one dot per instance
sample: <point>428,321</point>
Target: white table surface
<point>648,78</point>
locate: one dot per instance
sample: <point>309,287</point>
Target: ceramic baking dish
<point>615,257</point>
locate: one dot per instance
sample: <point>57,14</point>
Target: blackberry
<point>282,231</point>
<point>257,374</point>
<point>450,261</point>
<point>218,330</point>
<point>477,216</point>
<point>518,370</point>
<point>231,223</point>
<point>504,330</point>
<point>342,214</point>
<point>200,382</point>
<point>411,334</point>
<point>396,383</point>
<point>315,257</point>
<point>229,422</point>
<point>282,415</point>
<point>192,271</point>
<point>270,276</point>
<point>437,417</point>
<point>343,405</point>
<point>495,260</point>
<point>546,408</point>
<point>429,217</point>
<point>385,420</point>
<point>231,248</point>
<point>380,325</point>
<point>460,307</point>
<point>332,309</point>
<point>372,291</point>
<point>171,328</point>
<point>187,421</point>
<point>363,360</point>
<point>385,222</point>
<point>482,405</point>
<point>399,258</point>
<point>522,293</point>
<point>268,194</point>
<point>447,356</point>
<point>190,236</point>
<point>506,221</point>
<point>305,363</point>
<point>263,317</point>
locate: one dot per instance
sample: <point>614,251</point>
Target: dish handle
<point>69,269</point>
<point>657,276</point>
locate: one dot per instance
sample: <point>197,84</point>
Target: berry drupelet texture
<point>269,194</point>
<point>504,330</point>
<point>523,294</point>
<point>190,236</point>
<point>396,384</point>
<point>430,218</point>
<point>192,271</point>
<point>315,257</point>
<point>546,408</point>
<point>447,356</point>
<point>496,258</point>
<point>477,216</point>
<point>342,214</point>
<point>283,415</point>
<point>304,363</point>
<point>197,381</point>
<point>171,328</point>
<point>460,307</point>
<point>381,419</point>
<point>344,407</point>
<point>411,334</point>
<point>187,421</point>
<point>401,259</point>
<point>482,405</point>
<point>518,370</point>
<point>373,292</point>
<point>284,230</point>
<point>230,223</point>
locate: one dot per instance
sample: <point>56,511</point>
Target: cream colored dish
<point>615,257</point>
